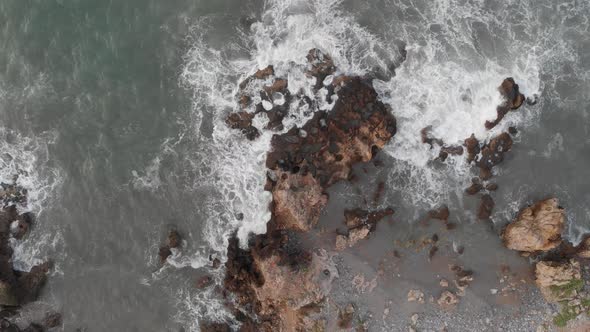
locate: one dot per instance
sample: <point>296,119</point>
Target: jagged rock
<point>485,207</point>
<point>472,146</point>
<point>536,228</point>
<point>297,200</point>
<point>513,100</point>
<point>493,153</point>
<point>275,279</point>
<point>321,65</point>
<point>559,281</point>
<point>243,121</point>
<point>341,242</point>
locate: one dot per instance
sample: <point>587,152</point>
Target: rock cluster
<point>18,288</point>
<point>359,224</point>
<point>275,280</point>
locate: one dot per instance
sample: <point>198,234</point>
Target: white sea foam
<point>457,55</point>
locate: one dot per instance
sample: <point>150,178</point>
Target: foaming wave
<point>24,163</point>
<point>283,37</point>
<point>457,55</point>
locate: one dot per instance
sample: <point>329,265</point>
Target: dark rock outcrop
<point>275,279</point>
<point>513,100</point>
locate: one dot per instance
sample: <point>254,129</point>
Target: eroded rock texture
<point>558,281</point>
<point>536,228</point>
<point>277,282</point>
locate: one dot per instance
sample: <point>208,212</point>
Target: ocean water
<point>113,113</point>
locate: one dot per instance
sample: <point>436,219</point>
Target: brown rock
<point>447,300</point>
<point>513,100</point>
<point>485,207</point>
<point>474,189</point>
<point>276,279</point>
<point>441,213</point>
<point>265,73</point>
<point>321,65</point>
<point>536,228</point>
<point>491,187</point>
<point>493,153</point>
<point>472,146</point>
<point>243,121</point>
<point>558,281</point>
<point>358,217</point>
<point>341,242</point>
<point>298,201</point>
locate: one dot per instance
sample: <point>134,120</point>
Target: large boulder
<point>559,281</point>
<point>537,227</point>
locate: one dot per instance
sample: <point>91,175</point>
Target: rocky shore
<point>277,283</point>
<point>18,288</point>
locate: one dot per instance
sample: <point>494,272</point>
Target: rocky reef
<point>277,283</point>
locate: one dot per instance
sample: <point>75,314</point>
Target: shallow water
<point>115,109</point>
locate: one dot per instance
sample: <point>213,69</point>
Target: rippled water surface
<point>115,109</point>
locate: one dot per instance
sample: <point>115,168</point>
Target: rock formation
<point>536,228</point>
<point>359,223</point>
<point>275,280</point>
<point>513,99</point>
<point>558,281</point>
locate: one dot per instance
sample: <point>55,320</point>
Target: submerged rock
<point>536,228</point>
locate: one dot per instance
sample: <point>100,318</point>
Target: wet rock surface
<point>276,281</point>
<point>536,228</point>
<point>513,100</point>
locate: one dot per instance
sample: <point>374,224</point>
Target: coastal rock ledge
<point>276,284</point>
